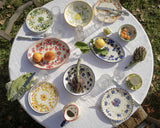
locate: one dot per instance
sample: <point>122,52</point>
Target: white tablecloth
<point>91,115</point>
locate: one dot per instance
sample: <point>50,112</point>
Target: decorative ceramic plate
<point>117,104</point>
<point>129,30</point>
<point>113,4</point>
<point>115,51</point>
<point>60,49</point>
<point>78,13</point>
<point>85,72</point>
<point>43,97</point>
<point>133,81</point>
<point>39,20</point>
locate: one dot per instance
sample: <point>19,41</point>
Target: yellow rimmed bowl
<point>78,13</point>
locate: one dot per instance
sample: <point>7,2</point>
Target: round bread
<point>37,57</point>
<point>48,56</point>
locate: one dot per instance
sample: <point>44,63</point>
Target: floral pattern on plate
<point>85,72</point>
<point>78,13</point>
<point>39,20</point>
<point>117,104</point>
<point>43,97</point>
<point>60,48</point>
<point>113,4</point>
<point>115,51</point>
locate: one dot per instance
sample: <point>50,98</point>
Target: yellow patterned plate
<point>78,13</point>
<point>113,4</point>
<point>43,97</point>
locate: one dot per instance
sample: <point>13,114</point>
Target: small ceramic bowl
<point>133,81</point>
<point>85,72</point>
<point>78,13</point>
<point>127,32</point>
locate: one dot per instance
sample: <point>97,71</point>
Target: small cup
<point>71,112</point>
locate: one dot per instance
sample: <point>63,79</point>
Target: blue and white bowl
<point>85,72</point>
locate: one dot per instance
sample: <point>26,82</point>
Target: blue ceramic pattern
<point>85,72</point>
<point>117,104</point>
<point>115,51</point>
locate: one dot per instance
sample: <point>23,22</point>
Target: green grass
<point>147,12</point>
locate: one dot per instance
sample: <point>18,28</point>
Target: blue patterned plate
<point>115,51</point>
<point>85,72</point>
<point>117,104</point>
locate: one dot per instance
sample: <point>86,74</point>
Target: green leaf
<point>81,45</point>
<point>91,41</point>
<point>84,51</point>
<point>103,51</point>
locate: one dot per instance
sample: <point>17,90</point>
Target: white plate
<point>39,20</point>
<point>117,104</point>
<point>43,97</point>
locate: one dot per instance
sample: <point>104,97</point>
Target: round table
<point>91,114</point>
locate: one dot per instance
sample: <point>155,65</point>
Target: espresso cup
<point>71,112</point>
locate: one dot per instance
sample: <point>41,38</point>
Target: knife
<point>24,85</point>
<point>29,38</point>
<point>111,9</point>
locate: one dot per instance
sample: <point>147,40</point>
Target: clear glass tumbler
<point>57,30</point>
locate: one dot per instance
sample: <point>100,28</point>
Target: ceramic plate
<point>115,51</point>
<point>43,97</point>
<point>78,13</point>
<point>85,72</point>
<point>39,20</point>
<point>117,104</point>
<point>113,4</point>
<point>130,31</point>
<point>60,48</point>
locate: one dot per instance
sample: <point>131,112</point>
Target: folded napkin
<point>14,86</point>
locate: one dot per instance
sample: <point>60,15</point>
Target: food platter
<point>59,47</point>
<point>43,97</point>
<point>117,104</point>
<point>115,51</point>
<point>112,4</point>
<point>39,20</point>
<point>85,72</point>
<point>78,13</point>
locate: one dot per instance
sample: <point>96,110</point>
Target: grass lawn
<point>147,12</point>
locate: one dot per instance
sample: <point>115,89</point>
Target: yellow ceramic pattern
<point>43,97</point>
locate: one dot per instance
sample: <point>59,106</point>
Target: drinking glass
<point>118,74</point>
<point>79,33</point>
<point>43,75</point>
<point>57,30</point>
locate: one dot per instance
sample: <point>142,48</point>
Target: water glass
<point>79,33</point>
<point>57,30</point>
<point>99,21</point>
<point>43,75</point>
<point>118,74</point>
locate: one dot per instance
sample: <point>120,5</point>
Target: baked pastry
<point>48,56</point>
<point>37,57</point>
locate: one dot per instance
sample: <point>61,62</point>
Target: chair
<point>6,34</point>
<point>140,119</point>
